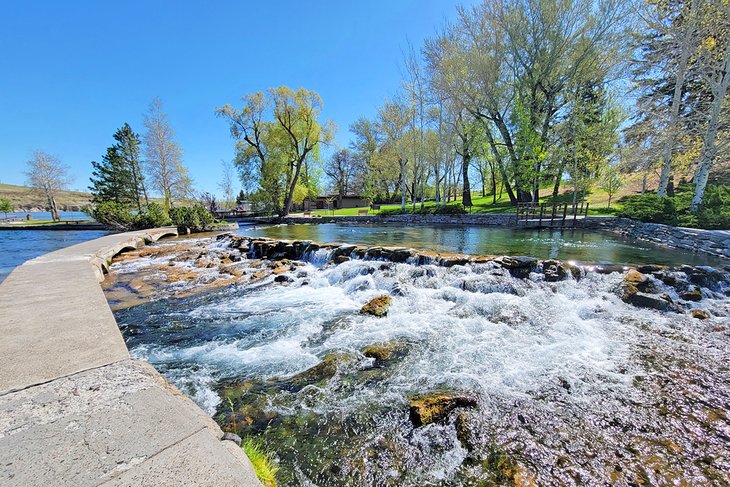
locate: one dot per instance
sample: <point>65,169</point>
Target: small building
<point>332,202</point>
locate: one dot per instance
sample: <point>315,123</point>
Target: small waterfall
<point>319,257</point>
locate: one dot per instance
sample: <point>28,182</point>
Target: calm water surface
<point>17,246</point>
<point>579,245</point>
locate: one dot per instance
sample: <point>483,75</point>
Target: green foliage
<point>675,210</point>
<point>6,206</point>
<point>118,177</point>
<point>154,215</point>
<point>455,209</point>
<point>195,218</point>
<point>113,214</point>
<point>263,463</point>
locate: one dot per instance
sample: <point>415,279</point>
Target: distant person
<point>28,217</point>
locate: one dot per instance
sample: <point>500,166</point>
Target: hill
<point>25,198</point>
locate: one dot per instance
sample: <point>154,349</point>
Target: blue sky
<point>73,72</point>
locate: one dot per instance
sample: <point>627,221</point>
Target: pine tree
<point>118,177</point>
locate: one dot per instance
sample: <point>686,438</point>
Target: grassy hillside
<point>24,198</point>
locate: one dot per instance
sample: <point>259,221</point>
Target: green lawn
<point>484,204</point>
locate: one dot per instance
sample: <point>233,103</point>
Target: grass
<point>25,197</point>
<point>262,461</point>
<point>484,204</point>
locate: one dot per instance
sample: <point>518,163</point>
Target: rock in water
<point>700,314</point>
<point>692,295</point>
<point>436,406</point>
<point>377,307</point>
<point>384,352</point>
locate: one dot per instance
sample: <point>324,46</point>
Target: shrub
<point>649,208</point>
<point>454,209</point>
<point>262,461</point>
<point>675,210</point>
<point>152,216</point>
<point>111,214</point>
<point>193,218</point>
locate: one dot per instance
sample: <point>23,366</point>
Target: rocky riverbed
<point>390,366</point>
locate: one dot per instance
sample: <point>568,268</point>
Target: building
<point>333,202</point>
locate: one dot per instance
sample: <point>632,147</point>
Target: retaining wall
<point>75,409</point>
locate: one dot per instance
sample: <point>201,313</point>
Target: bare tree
<point>226,183</point>
<point>163,156</point>
<point>47,174</point>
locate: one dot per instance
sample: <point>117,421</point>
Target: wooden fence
<point>559,215</point>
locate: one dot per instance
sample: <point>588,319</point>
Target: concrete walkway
<point>75,409</point>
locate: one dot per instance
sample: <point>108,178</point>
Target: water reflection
<point>579,245</point>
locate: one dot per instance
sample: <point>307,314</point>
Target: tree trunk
<point>466,193</point>
<point>54,209</point>
<point>290,190</point>
<point>676,102</point>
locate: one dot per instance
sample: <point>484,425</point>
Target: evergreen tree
<point>118,177</point>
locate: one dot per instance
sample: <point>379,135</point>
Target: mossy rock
<point>377,306</point>
<point>385,352</point>
<point>435,406</point>
<point>317,374</point>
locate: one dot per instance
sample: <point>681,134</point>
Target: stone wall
<point>502,220</point>
<point>714,242</point>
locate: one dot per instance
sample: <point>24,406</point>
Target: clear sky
<point>72,72</point>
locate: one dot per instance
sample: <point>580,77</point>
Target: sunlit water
<point>574,385</point>
<point>17,246</point>
<point>588,246</point>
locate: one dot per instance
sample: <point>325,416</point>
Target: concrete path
<point>75,409</point>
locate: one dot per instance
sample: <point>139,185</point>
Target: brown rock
<point>700,314</point>
<point>436,406</point>
<point>377,306</point>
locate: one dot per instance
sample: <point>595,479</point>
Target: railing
<point>550,214</point>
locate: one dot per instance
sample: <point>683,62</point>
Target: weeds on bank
<point>262,460</point>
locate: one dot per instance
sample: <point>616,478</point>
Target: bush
<point>114,215</point>
<point>455,209</point>
<point>151,217</point>
<point>675,210</point>
<point>649,208</point>
<point>193,218</point>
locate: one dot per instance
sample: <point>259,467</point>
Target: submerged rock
<point>377,306</point>
<point>435,406</point>
<point>385,352</point>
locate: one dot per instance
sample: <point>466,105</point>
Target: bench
<point>362,212</point>
<point>307,213</point>
<point>375,207</point>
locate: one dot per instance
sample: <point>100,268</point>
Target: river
<point>572,385</point>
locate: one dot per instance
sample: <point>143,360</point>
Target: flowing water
<point>588,246</point>
<point>573,386</point>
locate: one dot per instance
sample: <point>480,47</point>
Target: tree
<point>118,177</point>
<point>226,183</point>
<point>342,169</point>
<point>6,206</point>
<point>278,140</point>
<point>393,118</point>
<point>47,174</point>
<point>713,60</point>
<point>611,181</point>
<point>163,157</point>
